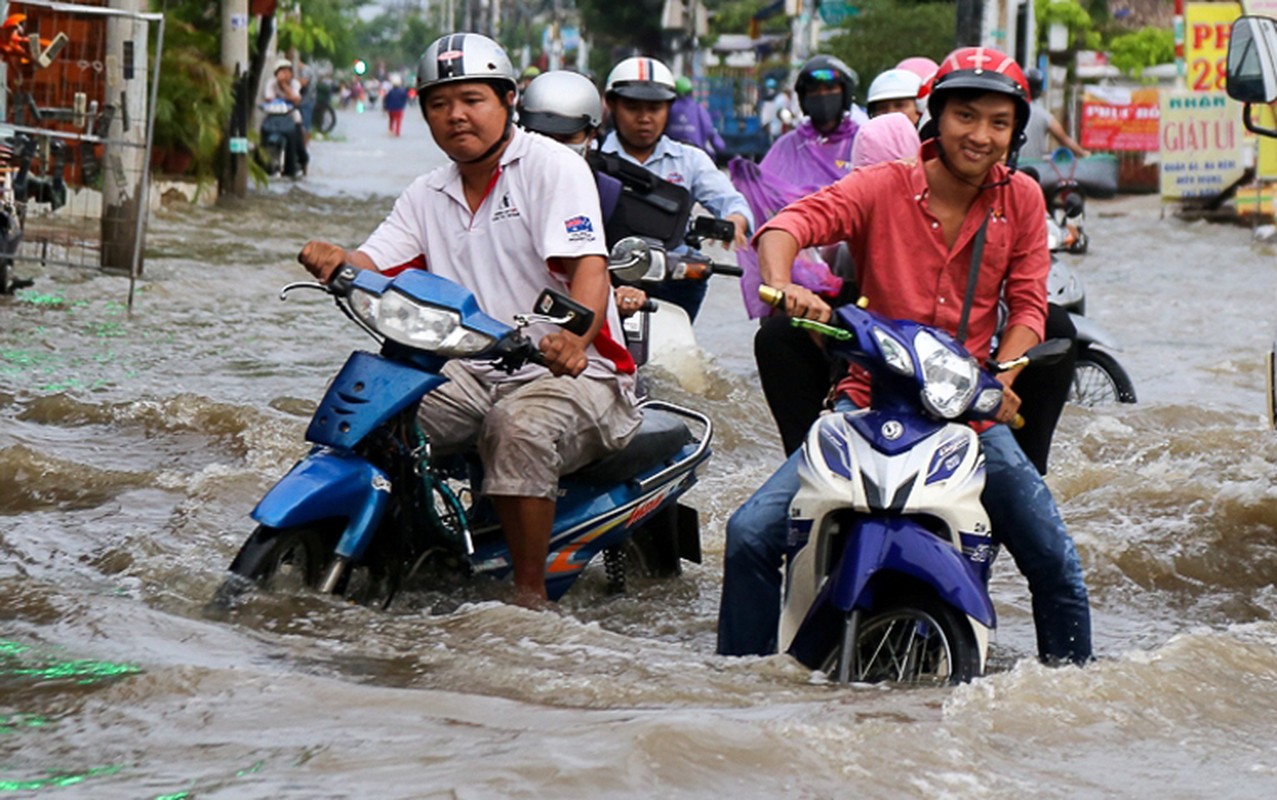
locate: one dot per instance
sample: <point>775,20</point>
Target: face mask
<point>824,108</point>
<point>580,148</point>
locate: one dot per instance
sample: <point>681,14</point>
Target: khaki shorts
<point>528,433</point>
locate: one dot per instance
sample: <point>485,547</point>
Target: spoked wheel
<point>324,120</point>
<point>287,560</point>
<point>921,643</point>
<point>1099,380</point>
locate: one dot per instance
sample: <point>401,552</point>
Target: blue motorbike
<point>892,546</point>
<point>370,508</point>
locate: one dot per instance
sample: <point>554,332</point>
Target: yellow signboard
<point>1206,31</point>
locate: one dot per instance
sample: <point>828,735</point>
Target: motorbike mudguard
<point>327,484</point>
<point>899,544</point>
<point>369,390</point>
<point>1091,332</point>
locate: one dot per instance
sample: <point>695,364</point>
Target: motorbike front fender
<point>327,484</point>
<point>900,545</point>
<point>1091,332</point>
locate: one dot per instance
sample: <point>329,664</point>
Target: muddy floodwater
<point>133,446</point>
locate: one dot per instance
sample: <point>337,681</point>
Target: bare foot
<point>531,600</point>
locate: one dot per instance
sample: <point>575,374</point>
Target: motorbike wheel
<point>920,641</point>
<point>1099,380</point>
<point>286,560</point>
<point>324,119</point>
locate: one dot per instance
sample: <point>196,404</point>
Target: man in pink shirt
<point>912,228</point>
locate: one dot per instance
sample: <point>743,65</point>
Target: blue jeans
<point>1025,521</point>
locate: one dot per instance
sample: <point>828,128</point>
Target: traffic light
<point>361,66</point>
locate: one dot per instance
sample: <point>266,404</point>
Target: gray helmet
<point>560,103</point>
<point>459,57</point>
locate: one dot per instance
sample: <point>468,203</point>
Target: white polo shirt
<point>542,204</point>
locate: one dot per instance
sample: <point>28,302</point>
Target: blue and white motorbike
<point>890,579</point>
<point>370,507</point>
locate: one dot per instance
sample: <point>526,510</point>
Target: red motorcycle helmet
<point>980,69</point>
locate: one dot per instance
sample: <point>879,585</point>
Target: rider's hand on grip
<point>564,353</point>
<point>796,301</point>
<point>322,259</point>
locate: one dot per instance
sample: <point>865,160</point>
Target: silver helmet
<point>560,103</point>
<point>460,57</point>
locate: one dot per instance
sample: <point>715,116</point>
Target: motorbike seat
<point>659,438</point>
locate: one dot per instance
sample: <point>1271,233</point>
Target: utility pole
<point>969,22</point>
<point>235,60</point>
<point>125,152</point>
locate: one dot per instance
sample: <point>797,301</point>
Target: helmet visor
<point>823,75</point>
<point>643,90</point>
<point>552,124</point>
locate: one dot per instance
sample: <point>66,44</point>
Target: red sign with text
<point>1108,125</point>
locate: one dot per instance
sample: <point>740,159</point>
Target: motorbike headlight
<point>893,352</point>
<point>988,401</point>
<point>949,380</point>
<point>419,325</point>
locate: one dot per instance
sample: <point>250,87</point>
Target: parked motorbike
<point>371,507</point>
<point>1098,377</point>
<point>890,581</point>
<point>278,125</point>
<point>666,339</point>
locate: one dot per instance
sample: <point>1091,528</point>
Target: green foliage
<point>319,29</point>
<point>621,29</point>
<point>397,38</point>
<point>889,31</point>
<point>732,16</point>
<point>1133,52</point>
<point>1073,16</point>
<point>195,95</point>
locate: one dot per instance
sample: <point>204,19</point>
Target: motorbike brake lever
<point>283,293</point>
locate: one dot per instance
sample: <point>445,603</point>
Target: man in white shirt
<point>512,214</point>
<point>286,87</point>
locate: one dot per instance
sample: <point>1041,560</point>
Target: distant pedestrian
<point>395,103</point>
<point>690,122</point>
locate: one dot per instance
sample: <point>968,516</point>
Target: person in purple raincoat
<point>690,121</point>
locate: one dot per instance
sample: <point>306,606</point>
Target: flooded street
<point>133,446</point>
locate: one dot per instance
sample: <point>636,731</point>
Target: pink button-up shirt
<point>905,268</point>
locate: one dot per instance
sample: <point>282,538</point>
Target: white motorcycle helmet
<point>641,78</point>
<point>894,84</point>
<point>460,57</point>
<point>560,103</point>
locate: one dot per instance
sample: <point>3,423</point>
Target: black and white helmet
<point>560,103</point>
<point>459,57</point>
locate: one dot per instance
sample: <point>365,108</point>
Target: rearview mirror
<point>1252,65</point>
<point>1252,69</point>
<point>713,228</point>
<point>630,259</point>
<point>1074,204</point>
<point>634,259</point>
<point>568,313</point>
